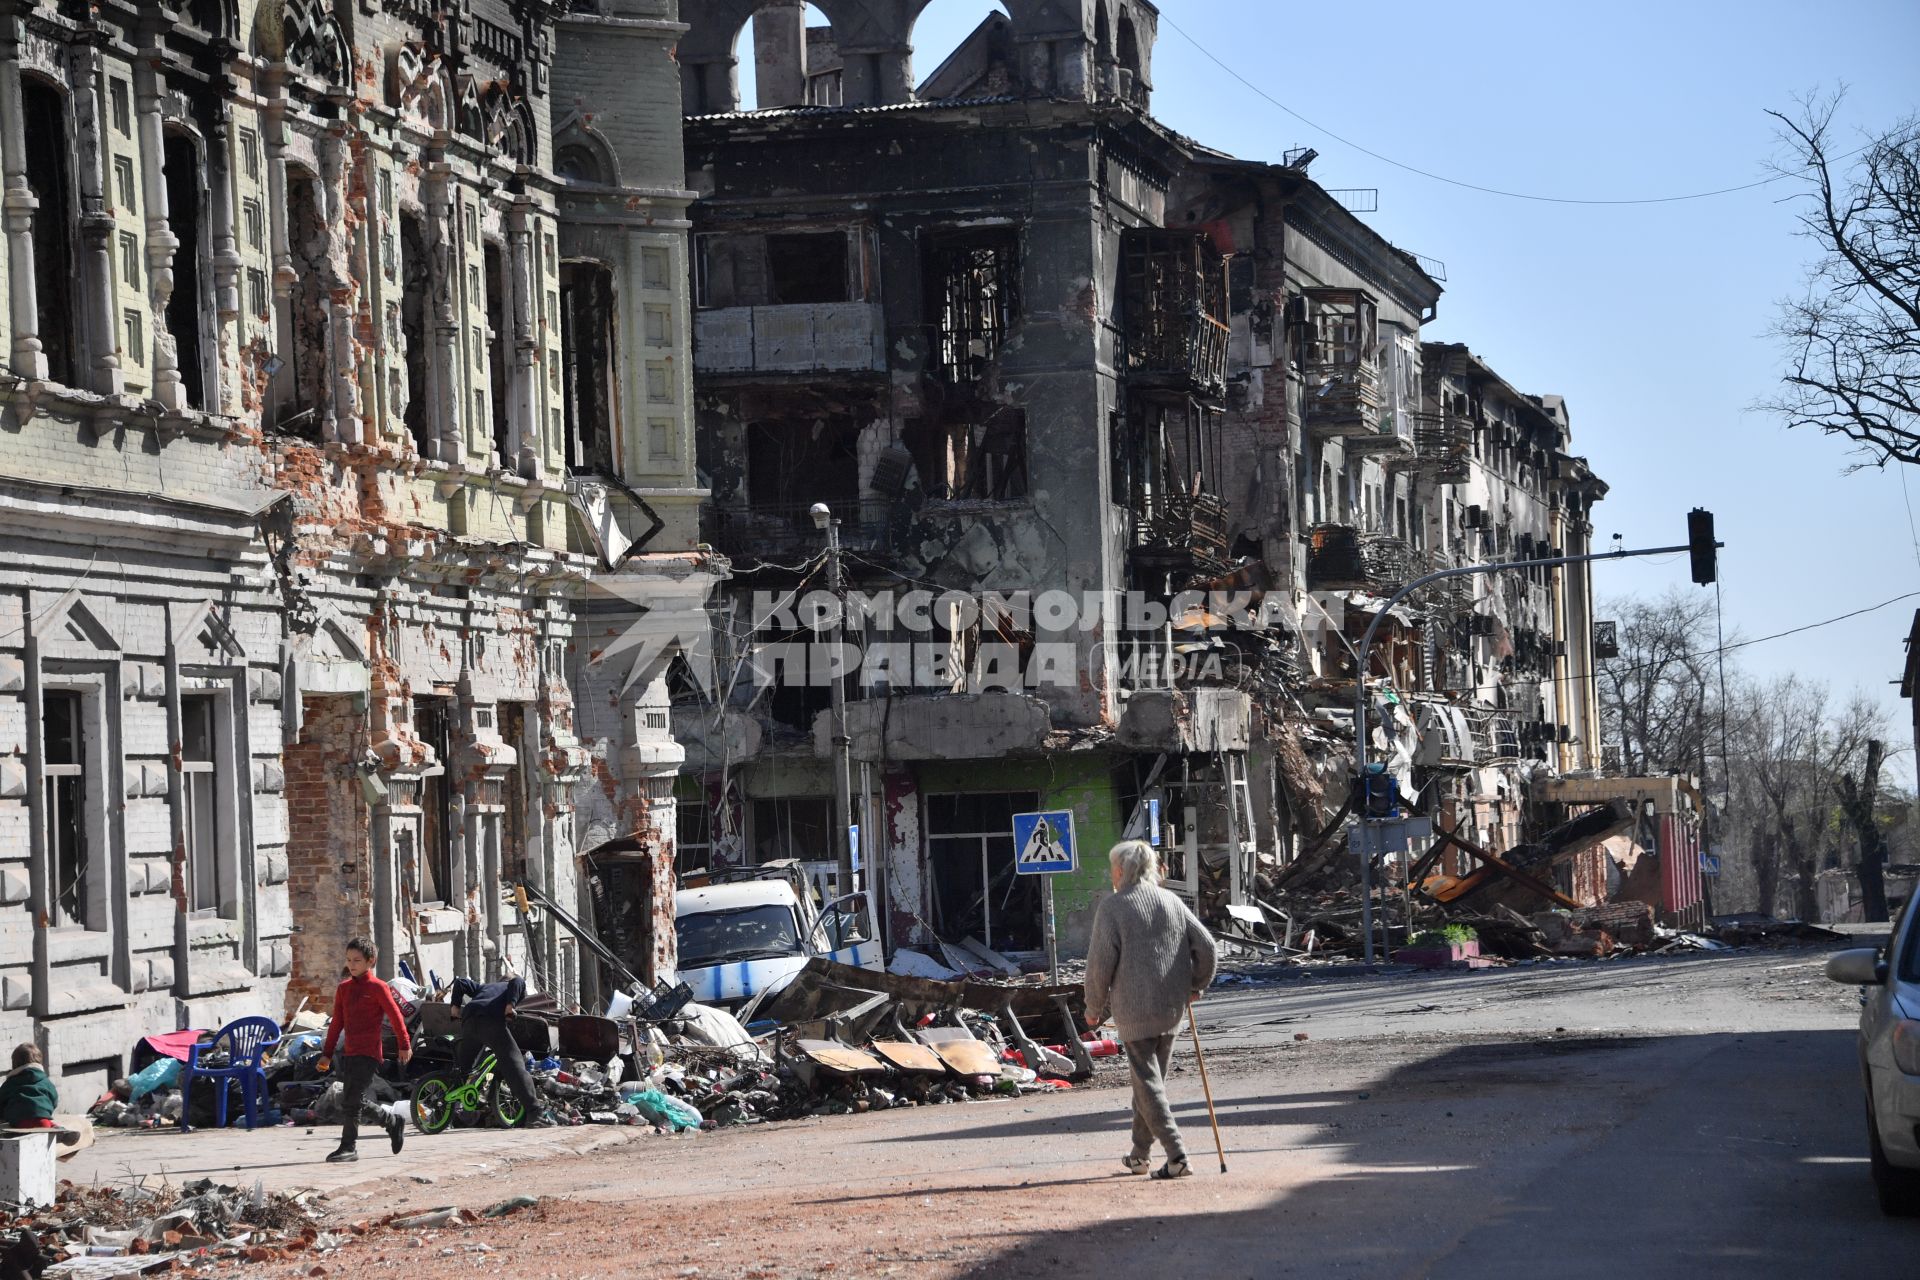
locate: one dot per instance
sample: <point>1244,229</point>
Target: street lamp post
<point>824,521</point>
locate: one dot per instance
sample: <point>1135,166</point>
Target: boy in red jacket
<point>360,1005</point>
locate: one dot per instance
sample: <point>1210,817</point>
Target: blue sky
<point>1650,319</point>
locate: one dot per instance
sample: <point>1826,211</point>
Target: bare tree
<point>1852,340</point>
<point>1653,696</point>
<point>1791,746</point>
<point>1858,799</point>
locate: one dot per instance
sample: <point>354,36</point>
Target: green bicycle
<point>447,1097</point>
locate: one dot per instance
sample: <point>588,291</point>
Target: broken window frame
<point>519,727</point>
<point>1173,303</point>
<point>189,305</point>
<point>417,287</point>
<point>497,281</point>
<point>433,717</point>
<point>719,256</point>
<point>301,388</point>
<point>773,821</point>
<point>973,299</point>
<point>589,346</point>
<point>75,843</point>
<point>977,838</point>
<point>212,881</point>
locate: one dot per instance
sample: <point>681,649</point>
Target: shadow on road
<point>1696,1156</point>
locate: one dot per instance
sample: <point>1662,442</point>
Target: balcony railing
<point>1341,558</point>
<point>1192,524</point>
<point>785,532</point>
<point>1190,353</point>
<point>1442,446</point>
<point>1343,399</point>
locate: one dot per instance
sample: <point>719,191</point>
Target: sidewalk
<point>293,1158</point>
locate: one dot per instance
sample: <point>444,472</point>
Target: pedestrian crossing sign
<point>1043,842</point>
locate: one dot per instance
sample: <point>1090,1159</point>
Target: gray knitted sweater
<point>1148,957</point>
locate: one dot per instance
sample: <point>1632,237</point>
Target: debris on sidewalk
<point>147,1225</point>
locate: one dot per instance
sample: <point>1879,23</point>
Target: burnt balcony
<point>1442,447</point>
<point>1391,440</point>
<point>1342,558</point>
<point>784,531</point>
<point>1174,303</point>
<point>1181,528</point>
<point>1343,398</point>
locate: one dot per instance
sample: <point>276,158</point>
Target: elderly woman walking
<point>1149,957</point>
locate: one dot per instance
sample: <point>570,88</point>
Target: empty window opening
<point>514,723</point>
<point>64,732</point>
<point>1174,300</point>
<point>498,317</point>
<point>791,465</point>
<point>185,304</point>
<point>438,830</point>
<point>211,887</point>
<point>748,269</point>
<point>416,288</point>
<point>693,825</point>
<point>974,293</point>
<point>587,344</point>
<point>787,58</point>
<point>963,49</point>
<point>301,383</point>
<point>971,449</point>
<point>44,110</point>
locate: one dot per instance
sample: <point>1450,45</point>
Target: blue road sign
<point>1153,822</point>
<point>1043,842</point>
<point>1709,864</point>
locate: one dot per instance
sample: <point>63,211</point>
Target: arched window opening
<point>186,307</point>
<point>963,49</point>
<point>44,112</point>
<point>1128,53</point>
<point>788,58</point>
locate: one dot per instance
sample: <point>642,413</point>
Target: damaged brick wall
<point>328,876</point>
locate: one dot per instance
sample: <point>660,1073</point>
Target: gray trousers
<point>1152,1116</point>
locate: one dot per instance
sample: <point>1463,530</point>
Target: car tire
<point>1897,1188</point>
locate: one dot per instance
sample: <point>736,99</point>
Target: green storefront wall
<point>1080,781</point>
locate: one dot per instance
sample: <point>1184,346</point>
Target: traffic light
<point>1700,545</point>
<point>1378,793</point>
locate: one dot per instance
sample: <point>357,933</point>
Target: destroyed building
<point>1020,337</point>
<point>346,372</point>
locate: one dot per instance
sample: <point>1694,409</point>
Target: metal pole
<point>1053,944</point>
<point>842,768</point>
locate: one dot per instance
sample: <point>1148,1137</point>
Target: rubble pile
<point>159,1225</point>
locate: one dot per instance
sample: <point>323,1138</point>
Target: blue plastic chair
<point>247,1042</point>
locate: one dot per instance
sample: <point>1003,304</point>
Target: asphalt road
<point>1687,1117</point>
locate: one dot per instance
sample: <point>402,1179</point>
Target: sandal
<point>1137,1164</point>
<point>1173,1169</point>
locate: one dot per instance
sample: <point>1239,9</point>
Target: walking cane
<point>1205,1087</point>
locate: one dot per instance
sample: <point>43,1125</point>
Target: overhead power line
<point>1457,182</point>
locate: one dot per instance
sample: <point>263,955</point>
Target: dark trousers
<point>355,1075</point>
<point>478,1032</point>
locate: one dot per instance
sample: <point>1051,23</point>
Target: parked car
<point>1890,1057</point>
<point>742,937</point>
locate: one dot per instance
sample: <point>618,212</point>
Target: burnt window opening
<point>64,733</point>
<point>416,288</point>
<point>754,269</point>
<point>1174,302</point>
<point>1175,475</point>
<point>975,299</point>
<point>587,344</point>
<point>971,450</point>
<point>44,112</point>
<point>808,267</point>
<point>301,384</point>
<point>497,319</point>
<point>185,304</point>
<point>791,465</point>
<point>438,831</point>
<point>793,827</point>
<point>211,889</point>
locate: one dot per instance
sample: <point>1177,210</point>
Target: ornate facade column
<point>445,365</point>
<point>17,207</point>
<point>95,286</point>
<point>523,415</point>
<point>341,418</point>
